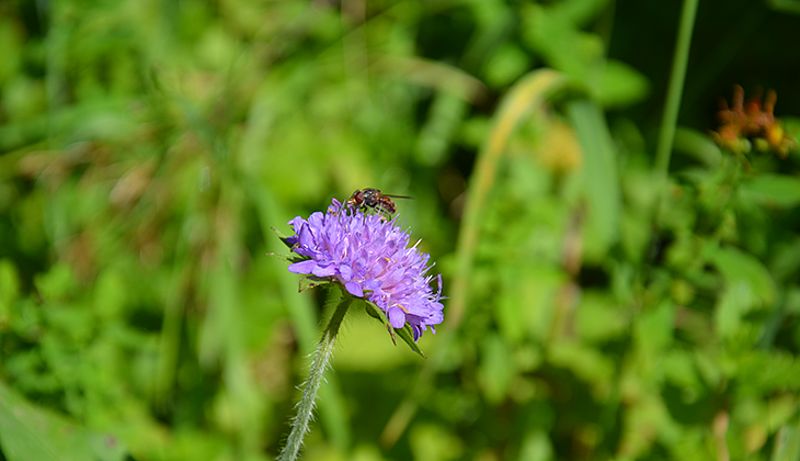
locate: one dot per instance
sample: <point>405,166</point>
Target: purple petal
<point>316,220</point>
<point>297,223</point>
<point>373,286</point>
<point>397,317</point>
<point>305,237</point>
<point>335,206</point>
<point>307,252</point>
<point>354,289</point>
<point>303,267</point>
<point>324,271</point>
<point>346,272</point>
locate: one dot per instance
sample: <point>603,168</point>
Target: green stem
<point>319,363</point>
<point>675,90</point>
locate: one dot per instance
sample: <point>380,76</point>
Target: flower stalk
<point>368,257</point>
<point>319,364</point>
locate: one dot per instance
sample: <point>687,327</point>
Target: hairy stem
<point>319,363</point>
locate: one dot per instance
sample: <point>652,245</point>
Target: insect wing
<point>407,197</point>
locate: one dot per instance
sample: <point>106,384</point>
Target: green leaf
<point>748,285</point>
<point>698,146</point>
<point>600,177</point>
<point>375,313</point>
<point>735,302</point>
<point>536,446</point>
<point>761,372</point>
<point>785,6</point>
<point>678,366</point>
<point>9,290</point>
<point>620,85</point>
<point>435,443</point>
<point>787,444</point>
<point>56,284</point>
<point>19,441</point>
<point>786,260</point>
<point>436,136</point>
<point>534,288</point>
<point>404,333</point>
<point>28,432</point>
<point>654,329</point>
<point>738,267</point>
<point>585,362</point>
<point>550,30</point>
<point>598,318</point>
<point>772,190</point>
<point>407,335</point>
<point>497,367</point>
<point>505,65</point>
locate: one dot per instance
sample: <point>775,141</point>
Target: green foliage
<point>29,432</point>
<point>151,154</point>
<point>404,333</point>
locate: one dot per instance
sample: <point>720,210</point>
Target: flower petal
<point>303,267</point>
<point>354,289</point>
<point>346,272</point>
<point>297,223</point>
<point>305,237</point>
<point>396,317</point>
<point>324,271</point>
<point>417,330</point>
<point>316,220</point>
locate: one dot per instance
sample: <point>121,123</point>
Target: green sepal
<point>281,237</point>
<point>376,313</point>
<point>405,333</point>
<point>307,283</point>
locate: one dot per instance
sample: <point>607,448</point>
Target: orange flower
<point>753,122</point>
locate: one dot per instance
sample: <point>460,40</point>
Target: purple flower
<point>370,257</point>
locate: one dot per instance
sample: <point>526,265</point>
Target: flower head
<point>754,121</point>
<point>370,257</point>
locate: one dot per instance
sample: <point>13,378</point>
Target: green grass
<point>619,287</point>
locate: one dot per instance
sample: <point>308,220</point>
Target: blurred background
<point>600,306</point>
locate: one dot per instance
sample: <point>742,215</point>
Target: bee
<point>373,199</point>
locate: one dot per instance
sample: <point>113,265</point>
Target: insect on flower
<point>372,258</point>
<point>374,199</point>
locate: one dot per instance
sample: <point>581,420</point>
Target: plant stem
<point>319,363</point>
<point>675,90</point>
